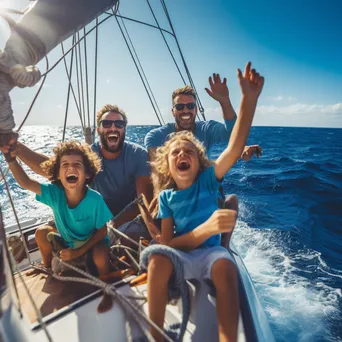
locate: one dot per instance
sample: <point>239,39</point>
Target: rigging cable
<point>70,88</point>
<point>95,76</point>
<point>166,43</point>
<point>81,77</point>
<point>168,47</point>
<point>78,85</point>
<point>86,72</point>
<point>135,63</point>
<point>78,42</point>
<point>143,73</point>
<point>10,263</point>
<point>143,23</point>
<point>35,97</point>
<point>200,107</point>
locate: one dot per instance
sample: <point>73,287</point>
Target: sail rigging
<point>79,57</point>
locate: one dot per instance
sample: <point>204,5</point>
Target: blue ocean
<point>289,231</point>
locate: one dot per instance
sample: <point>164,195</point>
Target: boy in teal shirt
<point>80,212</point>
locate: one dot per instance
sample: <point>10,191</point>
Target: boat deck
<point>49,294</point>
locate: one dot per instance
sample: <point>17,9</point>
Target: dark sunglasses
<point>109,123</point>
<point>180,106</point>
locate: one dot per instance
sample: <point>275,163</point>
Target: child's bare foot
<point>106,303</point>
<point>37,269</point>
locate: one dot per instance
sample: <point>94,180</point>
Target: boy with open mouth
<point>80,213</point>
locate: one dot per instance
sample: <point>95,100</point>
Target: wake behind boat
<point>55,307</point>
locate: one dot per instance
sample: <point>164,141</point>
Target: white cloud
<point>302,109</point>
<point>281,98</point>
<point>297,114</point>
<point>276,98</point>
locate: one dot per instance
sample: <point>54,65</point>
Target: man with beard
<point>210,133</point>
<point>125,170</point>
<point>184,110</point>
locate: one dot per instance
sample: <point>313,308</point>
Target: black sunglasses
<point>180,106</point>
<point>109,123</point>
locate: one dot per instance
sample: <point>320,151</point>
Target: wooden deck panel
<point>49,294</point>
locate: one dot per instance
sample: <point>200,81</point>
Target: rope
<point>35,97</point>
<point>200,107</point>
<point>78,85</point>
<point>178,287</point>
<point>70,87</point>
<point>38,313</point>
<point>139,72</point>
<point>81,76</point>
<point>86,73</point>
<point>16,247</point>
<point>15,215</point>
<point>143,23</point>
<point>6,112</point>
<point>143,73</point>
<point>110,289</point>
<point>166,43</point>
<point>95,71</point>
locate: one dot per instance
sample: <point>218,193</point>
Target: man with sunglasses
<point>184,110</point>
<point>125,170</point>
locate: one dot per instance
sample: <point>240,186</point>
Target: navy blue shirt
<point>208,133</point>
<point>116,182</point>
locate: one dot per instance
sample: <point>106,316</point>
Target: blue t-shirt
<point>75,224</point>
<point>192,206</point>
<point>209,133</point>
<point>116,182</point>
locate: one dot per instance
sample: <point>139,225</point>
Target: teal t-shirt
<point>192,206</point>
<point>209,133</point>
<point>75,224</point>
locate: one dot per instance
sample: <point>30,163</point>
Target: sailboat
<point>57,306</point>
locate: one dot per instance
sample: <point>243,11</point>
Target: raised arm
<point>251,84</point>
<point>22,178</point>
<point>30,158</point>
<point>219,92</point>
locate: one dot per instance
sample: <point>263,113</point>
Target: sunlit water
<point>290,228</point>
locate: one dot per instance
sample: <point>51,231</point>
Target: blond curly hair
<point>110,108</point>
<point>91,161</point>
<point>161,176</point>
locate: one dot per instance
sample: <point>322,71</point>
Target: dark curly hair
<point>91,161</point>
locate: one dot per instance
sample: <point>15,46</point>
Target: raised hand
<point>8,145</point>
<point>218,89</point>
<point>249,151</point>
<point>251,82</point>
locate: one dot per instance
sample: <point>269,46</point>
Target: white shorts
<point>199,261</point>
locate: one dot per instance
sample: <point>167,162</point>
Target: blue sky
<point>296,45</point>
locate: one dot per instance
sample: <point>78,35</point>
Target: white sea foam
<point>297,307</point>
